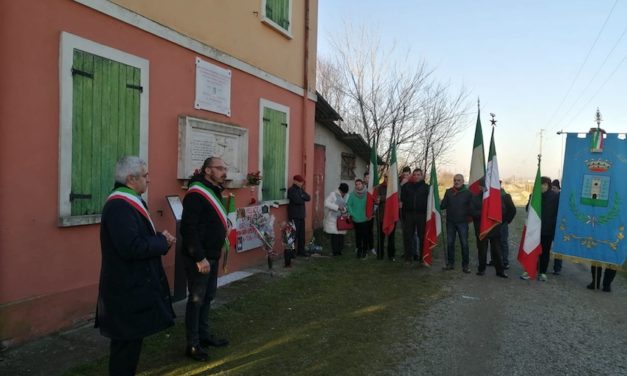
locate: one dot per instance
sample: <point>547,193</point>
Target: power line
<point>591,80</point>
<point>582,64</point>
<point>599,89</point>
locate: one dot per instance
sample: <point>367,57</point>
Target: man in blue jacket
<point>134,295</point>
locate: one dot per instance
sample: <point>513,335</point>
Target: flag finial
<point>478,103</point>
<point>493,121</point>
<point>598,119</point>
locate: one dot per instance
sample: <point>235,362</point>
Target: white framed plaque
<point>200,139</point>
<point>213,88</point>
<point>176,206</point>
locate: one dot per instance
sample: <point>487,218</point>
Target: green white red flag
<point>477,161</point>
<point>433,227</point>
<point>530,246</point>
<point>373,180</point>
<point>491,211</point>
<point>232,230</point>
<point>390,215</point>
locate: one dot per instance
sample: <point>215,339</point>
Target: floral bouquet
<point>253,178</point>
<point>264,228</point>
<point>288,230</point>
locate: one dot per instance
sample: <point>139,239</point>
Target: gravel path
<point>493,326</point>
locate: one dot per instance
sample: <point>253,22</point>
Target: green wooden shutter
<point>274,157</point>
<point>279,12</point>
<point>105,126</point>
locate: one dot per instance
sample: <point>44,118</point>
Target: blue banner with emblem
<point>593,202</point>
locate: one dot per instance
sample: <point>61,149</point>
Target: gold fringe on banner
<point>581,260</point>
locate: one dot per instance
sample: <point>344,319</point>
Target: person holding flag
<point>491,207</point>
<point>204,227</point>
<point>433,226</point>
<point>391,209</point>
<point>549,202</point>
<point>530,248</point>
<point>456,202</point>
<point>493,236</point>
<point>381,196</point>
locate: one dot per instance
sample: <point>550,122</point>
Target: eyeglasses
<point>219,168</point>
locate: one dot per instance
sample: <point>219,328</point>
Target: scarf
<point>360,194</point>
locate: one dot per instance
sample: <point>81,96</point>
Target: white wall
<point>333,167</point>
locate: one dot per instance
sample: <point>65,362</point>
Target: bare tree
<point>387,99</point>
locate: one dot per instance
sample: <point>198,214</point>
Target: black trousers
<point>381,242</point>
<point>202,289</point>
<point>337,243</point>
<point>370,236</point>
<point>361,242</point>
<point>413,224</point>
<point>124,356</point>
<point>545,256</point>
<point>300,235</point>
<point>608,277</point>
<point>495,253</point>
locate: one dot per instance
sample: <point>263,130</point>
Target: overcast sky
<point>532,63</point>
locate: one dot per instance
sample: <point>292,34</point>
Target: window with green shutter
<point>104,115</point>
<point>105,126</point>
<point>279,12</point>
<point>274,155</point>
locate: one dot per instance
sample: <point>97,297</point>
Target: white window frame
<point>274,25</point>
<point>264,103</point>
<point>70,42</point>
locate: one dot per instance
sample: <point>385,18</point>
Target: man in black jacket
<point>508,211</point>
<point>456,202</point>
<point>296,211</point>
<point>203,228</point>
<point>414,195</point>
<point>134,295</point>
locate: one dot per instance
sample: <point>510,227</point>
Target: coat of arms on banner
<point>593,207</point>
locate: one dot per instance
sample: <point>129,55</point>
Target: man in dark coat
<point>494,236</point>
<point>296,211</point>
<point>414,195</point>
<point>550,202</point>
<point>456,202</point>
<point>204,227</point>
<point>133,296</point>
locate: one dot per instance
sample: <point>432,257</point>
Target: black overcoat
<point>134,295</point>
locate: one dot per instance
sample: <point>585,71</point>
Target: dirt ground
<point>493,326</point>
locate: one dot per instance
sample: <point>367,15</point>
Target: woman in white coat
<point>335,205</point>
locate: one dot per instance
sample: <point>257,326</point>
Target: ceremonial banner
<point>593,202</point>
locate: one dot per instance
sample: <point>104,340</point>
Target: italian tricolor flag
<point>373,179</point>
<point>390,216</point>
<point>530,247</point>
<point>491,211</point>
<point>477,162</point>
<point>433,226</point>
<point>231,216</point>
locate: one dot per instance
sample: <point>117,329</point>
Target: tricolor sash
<point>128,195</point>
<point>210,196</point>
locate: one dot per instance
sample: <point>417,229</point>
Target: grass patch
<point>327,315</point>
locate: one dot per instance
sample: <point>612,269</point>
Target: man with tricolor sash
<point>204,227</point>
<point>133,296</point>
